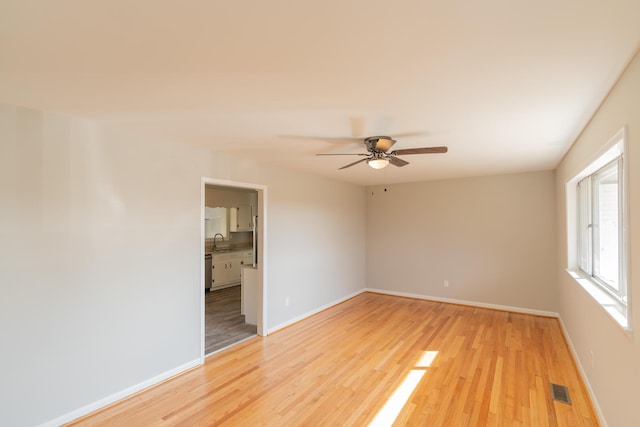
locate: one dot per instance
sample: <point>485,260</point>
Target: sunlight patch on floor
<point>389,412</point>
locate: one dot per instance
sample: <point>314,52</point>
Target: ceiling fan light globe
<point>378,163</point>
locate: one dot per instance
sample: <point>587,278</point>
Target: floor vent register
<point>560,393</point>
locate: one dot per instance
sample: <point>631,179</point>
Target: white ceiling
<point>507,85</point>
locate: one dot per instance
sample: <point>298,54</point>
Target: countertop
<point>229,249</point>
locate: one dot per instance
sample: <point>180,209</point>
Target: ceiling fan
<point>378,155</point>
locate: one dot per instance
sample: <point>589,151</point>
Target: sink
<point>221,250</point>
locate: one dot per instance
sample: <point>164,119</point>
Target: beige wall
<point>492,238</point>
<point>615,375</point>
<point>100,260</point>
<point>227,198</point>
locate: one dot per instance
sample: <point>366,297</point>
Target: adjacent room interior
<point>230,306</point>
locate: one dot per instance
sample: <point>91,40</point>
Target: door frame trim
<point>262,250</point>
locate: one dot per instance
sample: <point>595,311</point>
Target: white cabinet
<point>225,269</point>
<point>249,299</point>
<point>247,257</point>
<point>234,269</point>
<point>219,273</point>
<point>240,218</point>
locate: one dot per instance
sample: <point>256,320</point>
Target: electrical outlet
<point>286,302</point>
<point>446,283</point>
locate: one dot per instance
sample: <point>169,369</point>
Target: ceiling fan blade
<point>330,139</point>
<point>353,164</point>
<point>424,150</point>
<point>395,161</point>
<point>341,154</point>
<point>408,134</point>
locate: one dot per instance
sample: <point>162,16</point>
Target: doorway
<point>233,291</point>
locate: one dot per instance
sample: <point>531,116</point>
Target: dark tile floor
<point>224,325</point>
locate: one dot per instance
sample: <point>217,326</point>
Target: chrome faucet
<point>214,239</point>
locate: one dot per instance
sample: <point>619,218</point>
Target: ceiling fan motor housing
<point>379,143</point>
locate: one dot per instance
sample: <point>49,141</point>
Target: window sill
<point>611,305</point>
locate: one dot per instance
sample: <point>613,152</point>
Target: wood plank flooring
<point>224,325</point>
<point>443,364</point>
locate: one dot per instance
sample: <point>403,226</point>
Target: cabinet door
<point>234,269</point>
<point>219,273</point>
<point>244,218</point>
<point>241,219</point>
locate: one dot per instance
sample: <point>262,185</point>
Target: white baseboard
<point>583,374</point>
<point>416,296</point>
<point>99,404</point>
<point>312,312</point>
<point>469,303</point>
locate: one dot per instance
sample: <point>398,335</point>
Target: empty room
<point>419,213</point>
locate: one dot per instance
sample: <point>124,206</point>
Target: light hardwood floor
<point>342,366</point>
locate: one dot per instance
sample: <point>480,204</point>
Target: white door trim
<point>262,252</point>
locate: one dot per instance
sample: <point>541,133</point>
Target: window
<point>597,223</point>
<point>600,231</point>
